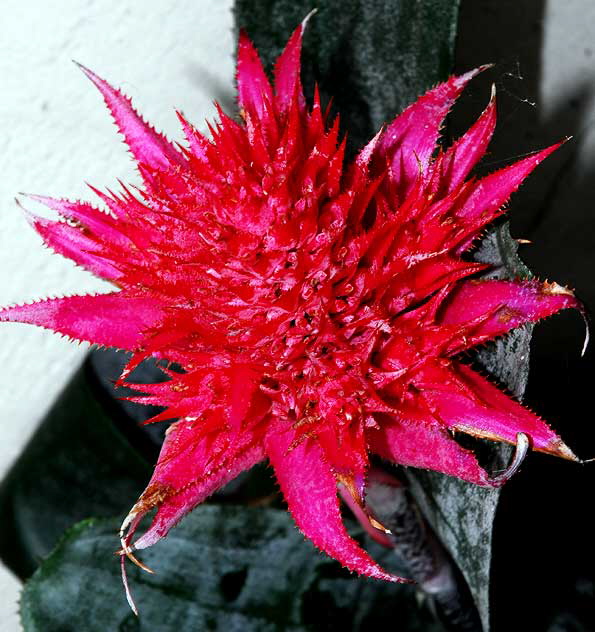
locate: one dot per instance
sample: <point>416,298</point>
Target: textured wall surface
<point>55,134</point>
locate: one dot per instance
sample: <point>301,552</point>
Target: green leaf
<point>507,358</point>
<point>77,464</point>
<point>223,568</point>
<point>461,513</point>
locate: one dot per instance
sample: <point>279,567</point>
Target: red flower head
<point>317,309</point>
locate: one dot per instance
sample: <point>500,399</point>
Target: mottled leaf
<point>461,513</point>
<point>223,568</point>
<point>77,464</point>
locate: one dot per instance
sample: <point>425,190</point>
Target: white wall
<point>55,134</point>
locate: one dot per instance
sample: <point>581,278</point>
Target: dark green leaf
<point>461,513</point>
<point>222,568</point>
<point>76,465</point>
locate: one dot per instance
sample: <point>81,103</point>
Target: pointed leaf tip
<point>310,489</point>
<point>186,473</point>
<point>558,448</point>
<point>492,193</point>
<point>254,88</point>
<point>410,140</point>
<point>288,85</point>
<point>487,309</point>
<point>467,151</point>
<point>479,408</point>
<point>112,320</point>
<point>147,145</point>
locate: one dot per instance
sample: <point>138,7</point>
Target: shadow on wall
<point>200,75</point>
<point>543,553</point>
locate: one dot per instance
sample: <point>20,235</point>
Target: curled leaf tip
<point>308,18</point>
<point>587,322</point>
<point>126,585</point>
<point>520,452</point>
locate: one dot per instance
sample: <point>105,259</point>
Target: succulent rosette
<point>315,311</point>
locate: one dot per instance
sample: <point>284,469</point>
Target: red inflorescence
<point>318,309</point>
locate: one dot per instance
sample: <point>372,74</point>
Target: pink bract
<point>317,308</point>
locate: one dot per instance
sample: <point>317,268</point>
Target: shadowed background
<point>543,554</point>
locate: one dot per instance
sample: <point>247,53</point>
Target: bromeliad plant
<point>317,309</point>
